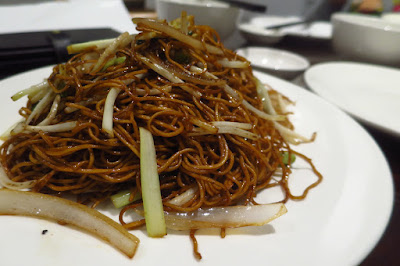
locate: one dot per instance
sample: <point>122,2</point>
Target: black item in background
<point>24,51</point>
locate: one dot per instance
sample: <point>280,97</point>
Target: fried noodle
<point>192,94</point>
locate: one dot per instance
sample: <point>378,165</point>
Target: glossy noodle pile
<point>218,133</point>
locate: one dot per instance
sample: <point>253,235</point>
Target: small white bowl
<point>277,62</point>
<point>219,15</point>
<point>366,38</point>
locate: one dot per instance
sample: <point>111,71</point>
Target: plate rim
<point>368,122</point>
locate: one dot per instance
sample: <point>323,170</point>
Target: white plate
<point>368,92</point>
<point>278,62</point>
<point>254,30</point>
<point>338,224</point>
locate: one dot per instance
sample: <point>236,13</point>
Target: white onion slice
<point>108,114</point>
<point>234,94</point>
<point>176,34</point>
<point>161,70</point>
<point>6,134</point>
<point>46,100</point>
<point>225,130</point>
<point>121,41</point>
<point>233,64</point>
<point>263,114</point>
<point>232,124</point>
<point>224,217</point>
<point>184,197</point>
<point>60,127</point>
<point>52,113</point>
<point>5,181</point>
<point>293,137</point>
<point>67,212</point>
<point>31,90</point>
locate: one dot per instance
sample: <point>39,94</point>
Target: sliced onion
<point>121,41</point>
<point>53,112</point>
<point>263,114</point>
<point>196,79</point>
<point>237,131</point>
<point>67,212</point>
<point>289,135</point>
<point>176,34</point>
<point>264,96</point>
<point>224,217</point>
<point>5,181</point>
<point>233,64</point>
<point>6,134</point>
<point>46,100</point>
<point>30,91</point>
<point>184,197</point>
<point>60,127</point>
<point>293,137</point>
<point>38,95</point>
<point>232,124</point>
<point>161,70</point>
<point>154,91</point>
<point>204,125</point>
<point>18,128</point>
<point>226,87</point>
<point>108,112</point>
<point>225,130</point>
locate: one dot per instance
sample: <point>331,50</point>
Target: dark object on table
<point>275,27</point>
<point>23,51</point>
<point>247,6</point>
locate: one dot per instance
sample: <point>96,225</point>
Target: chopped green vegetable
<point>64,94</point>
<point>122,198</point>
<point>285,158</point>
<point>79,47</point>
<point>151,193</point>
<point>114,61</point>
<point>182,57</point>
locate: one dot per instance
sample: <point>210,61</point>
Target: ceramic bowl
<point>219,15</point>
<point>277,62</point>
<point>366,38</point>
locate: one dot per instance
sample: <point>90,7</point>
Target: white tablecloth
<point>27,16</point>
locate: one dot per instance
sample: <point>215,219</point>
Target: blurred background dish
<point>366,38</point>
<point>280,63</point>
<point>368,92</point>
<point>255,30</point>
<point>219,15</point>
